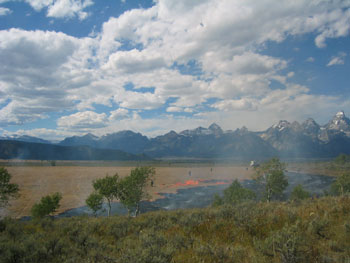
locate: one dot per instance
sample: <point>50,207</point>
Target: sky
<point>71,67</point>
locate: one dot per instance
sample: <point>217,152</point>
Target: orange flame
<point>189,182</point>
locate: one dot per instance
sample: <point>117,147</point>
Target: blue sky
<point>69,67</point>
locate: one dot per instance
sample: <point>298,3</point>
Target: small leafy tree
<point>217,200</point>
<point>299,193</point>
<point>107,187</point>
<point>94,202</point>
<point>341,186</point>
<point>7,190</point>
<point>271,176</point>
<point>132,188</point>
<point>342,159</point>
<point>47,206</point>
<point>236,193</point>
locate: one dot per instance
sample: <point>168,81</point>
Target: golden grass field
<point>75,182</point>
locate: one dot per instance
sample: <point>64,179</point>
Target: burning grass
<point>311,231</point>
<point>74,182</point>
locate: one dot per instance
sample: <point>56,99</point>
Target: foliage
<point>342,159</point>
<point>217,200</point>
<point>108,188</point>
<point>299,193</point>
<point>234,194</point>
<point>132,188</point>
<point>308,231</point>
<point>7,190</point>
<point>341,186</point>
<point>47,206</point>
<point>94,202</point>
<point>270,175</point>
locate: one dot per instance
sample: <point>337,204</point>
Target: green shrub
<point>47,206</point>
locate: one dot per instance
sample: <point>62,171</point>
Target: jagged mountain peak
<point>339,122</point>
<point>340,114</point>
<point>281,125</point>
<point>214,126</point>
<point>91,136</point>
<point>310,121</point>
<point>215,129</point>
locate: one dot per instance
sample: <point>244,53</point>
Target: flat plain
<point>75,181</point>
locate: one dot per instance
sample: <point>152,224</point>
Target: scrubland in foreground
<point>310,231</point>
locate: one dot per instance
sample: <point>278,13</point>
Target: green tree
<point>94,202</point>
<point>7,190</point>
<point>299,193</point>
<point>217,200</point>
<point>341,186</point>
<point>132,189</point>
<point>236,193</point>
<point>47,206</point>
<point>270,175</point>
<point>108,188</point>
<point>342,159</point>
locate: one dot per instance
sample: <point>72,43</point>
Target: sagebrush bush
<point>307,231</point>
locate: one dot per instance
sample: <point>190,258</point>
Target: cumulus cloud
<point>235,105</point>
<point>62,8</point>
<point>50,72</point>
<point>118,114</point>
<point>174,109</point>
<point>337,60</point>
<point>39,72</point>
<point>83,120</point>
<point>5,11</point>
<point>134,61</point>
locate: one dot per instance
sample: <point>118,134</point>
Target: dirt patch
<point>75,182</point>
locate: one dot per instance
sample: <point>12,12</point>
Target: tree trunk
<point>137,209</point>
<point>268,197</point>
<point>109,208</point>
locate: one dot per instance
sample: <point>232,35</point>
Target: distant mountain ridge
<point>10,149</point>
<point>284,139</point>
<point>25,138</point>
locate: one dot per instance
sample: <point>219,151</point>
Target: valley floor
<point>75,182</point>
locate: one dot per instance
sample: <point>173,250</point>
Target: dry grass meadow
<point>75,182</point>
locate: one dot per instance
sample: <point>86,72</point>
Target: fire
<point>189,182</point>
<point>196,182</point>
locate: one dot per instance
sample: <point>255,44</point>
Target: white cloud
<point>62,8</point>
<point>51,72</point>
<point>134,61</point>
<point>83,120</point>
<point>138,100</point>
<point>118,114</point>
<point>310,59</point>
<point>174,109</point>
<point>5,11</point>
<point>337,60</point>
<point>236,105</point>
<point>337,24</point>
<point>39,72</point>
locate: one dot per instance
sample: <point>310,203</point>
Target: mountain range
<point>284,139</point>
